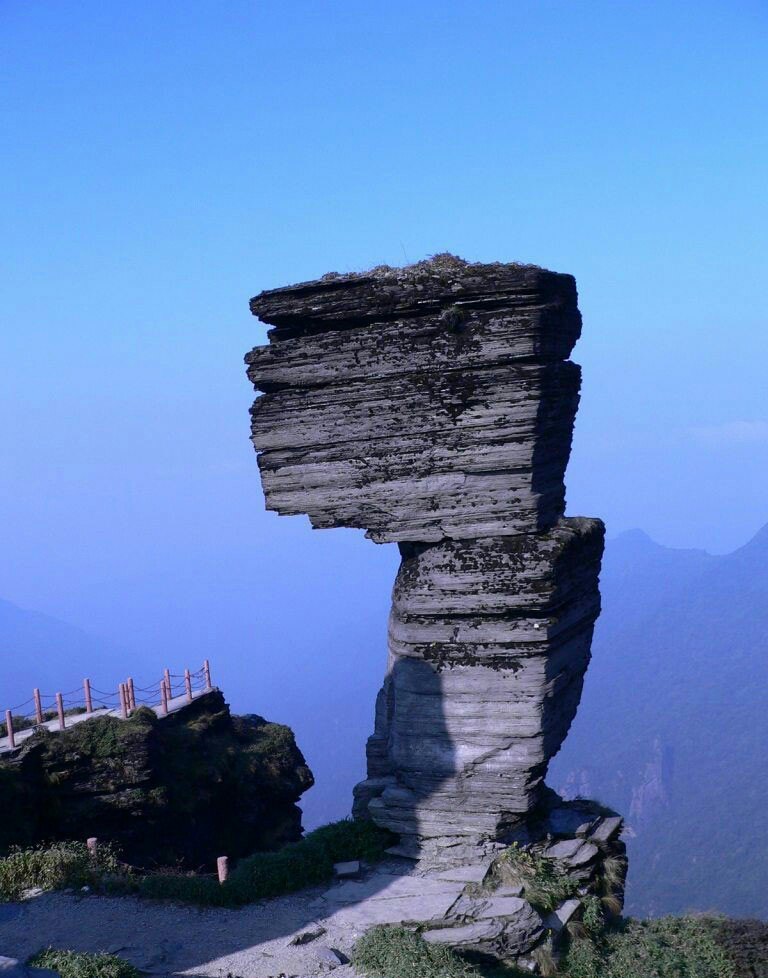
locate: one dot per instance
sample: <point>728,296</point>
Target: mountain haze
<point>40,651</point>
<point>673,725</point>
<point>672,729</point>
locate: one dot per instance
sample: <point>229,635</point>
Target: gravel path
<point>252,942</point>
<point>165,939</point>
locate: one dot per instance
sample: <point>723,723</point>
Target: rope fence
<point>87,700</point>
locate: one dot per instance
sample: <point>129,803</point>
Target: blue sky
<point>162,162</point>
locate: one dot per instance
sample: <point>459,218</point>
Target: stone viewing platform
<point>168,695</point>
<point>433,406</point>
<point>183,782</point>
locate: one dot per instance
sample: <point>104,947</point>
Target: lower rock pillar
<point>489,640</point>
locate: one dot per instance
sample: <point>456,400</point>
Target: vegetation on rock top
<point>183,790</point>
<point>442,265</point>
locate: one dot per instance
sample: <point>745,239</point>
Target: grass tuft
<point>544,885</point>
<point>395,952</point>
<point>670,947</point>
<point>77,964</point>
<point>54,867</point>
<point>614,871</point>
<point>593,915</point>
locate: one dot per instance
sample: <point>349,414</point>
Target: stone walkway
<point>252,942</point>
<point>174,705</point>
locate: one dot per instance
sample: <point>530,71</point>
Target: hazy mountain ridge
<point>673,726</point>
<point>38,650</point>
<point>671,731</point>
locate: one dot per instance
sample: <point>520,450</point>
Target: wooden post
<point>163,697</point>
<point>207,671</point>
<point>38,705</point>
<point>222,868</point>
<point>167,678</point>
<point>9,728</point>
<point>188,685</point>
<point>93,847</point>
<point>88,698</point>
<point>123,701</point>
<point>131,694</point>
<point>60,709</point>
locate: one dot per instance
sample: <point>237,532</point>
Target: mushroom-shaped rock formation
<point>433,406</point>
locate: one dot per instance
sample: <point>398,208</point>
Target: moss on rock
<point>182,790</point>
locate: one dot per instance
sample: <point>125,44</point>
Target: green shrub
<point>145,715</point>
<point>54,867</point>
<point>307,862</point>
<point>19,724</point>
<point>348,839</point>
<point>745,942</point>
<point>179,887</point>
<point>75,964</point>
<point>265,874</point>
<point>670,947</point>
<point>593,917</point>
<point>394,952</point>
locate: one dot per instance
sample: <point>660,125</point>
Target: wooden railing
<point>87,700</point>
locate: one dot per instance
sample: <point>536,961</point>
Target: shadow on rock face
<point>489,641</point>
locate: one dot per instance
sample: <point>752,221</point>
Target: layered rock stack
<point>433,406</point>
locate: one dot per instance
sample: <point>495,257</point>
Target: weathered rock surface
<point>524,899</point>
<point>434,407</point>
<point>187,788</point>
<point>489,641</point>
<point>430,403</point>
<point>515,904</point>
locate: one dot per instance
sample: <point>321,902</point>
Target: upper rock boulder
<point>424,403</point>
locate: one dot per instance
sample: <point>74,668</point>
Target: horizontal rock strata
<point>535,308</point>
<point>451,418</point>
<point>489,641</point>
<point>522,901</point>
<point>434,406</point>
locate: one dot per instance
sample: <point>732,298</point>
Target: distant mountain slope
<point>37,650</point>
<point>673,726</point>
